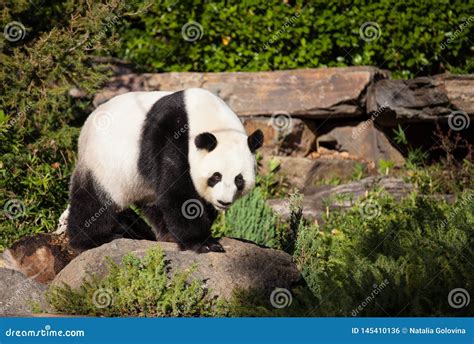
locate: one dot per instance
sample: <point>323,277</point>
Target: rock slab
<point>243,265</point>
<point>315,204</point>
<point>19,293</point>
<point>313,93</point>
<point>421,99</point>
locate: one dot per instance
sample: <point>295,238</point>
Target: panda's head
<point>223,168</point>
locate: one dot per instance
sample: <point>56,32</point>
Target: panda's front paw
<point>215,246</point>
<point>211,245</point>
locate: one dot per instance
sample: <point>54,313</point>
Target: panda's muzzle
<point>224,204</point>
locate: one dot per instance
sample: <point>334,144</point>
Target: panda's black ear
<point>205,141</point>
<point>255,140</point>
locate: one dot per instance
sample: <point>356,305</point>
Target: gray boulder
<point>19,293</point>
<point>242,266</point>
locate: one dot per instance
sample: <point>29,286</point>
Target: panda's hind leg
<point>132,226</point>
<point>92,215</point>
<point>155,217</point>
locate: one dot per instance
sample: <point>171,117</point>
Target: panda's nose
<point>225,204</point>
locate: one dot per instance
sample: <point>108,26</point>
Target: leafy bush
<point>136,288</point>
<point>250,219</point>
<point>270,35</point>
<point>142,287</point>
<point>39,120</point>
<point>402,260</point>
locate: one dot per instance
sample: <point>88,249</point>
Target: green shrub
<point>250,219</point>
<point>137,287</point>
<point>272,35</point>
<point>39,120</point>
<point>390,258</point>
<point>142,287</point>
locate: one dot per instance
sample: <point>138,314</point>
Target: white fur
<point>232,156</point>
<point>109,146</point>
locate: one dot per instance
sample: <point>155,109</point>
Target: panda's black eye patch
<point>214,179</point>
<point>239,182</point>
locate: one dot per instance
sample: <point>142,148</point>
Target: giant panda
<point>179,157</point>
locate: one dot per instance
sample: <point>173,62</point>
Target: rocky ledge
<point>243,266</point>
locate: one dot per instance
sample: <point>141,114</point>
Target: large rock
<point>18,293</point>
<point>39,256</point>
<point>315,93</point>
<point>305,173</point>
<point>243,265</point>
<point>365,141</point>
<point>341,196</point>
<point>283,135</point>
<point>420,99</point>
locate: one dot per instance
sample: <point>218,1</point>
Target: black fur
<point>94,219</point>
<point>255,140</point>
<point>214,179</point>
<point>206,141</point>
<point>164,164</point>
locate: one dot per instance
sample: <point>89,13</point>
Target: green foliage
<point>39,119</point>
<point>442,179</point>
<point>418,249</point>
<point>258,304</point>
<point>136,287</point>
<point>385,166</point>
<point>272,35</point>
<point>143,288</point>
<point>250,219</point>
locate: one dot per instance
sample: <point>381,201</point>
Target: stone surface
<point>18,293</point>
<point>364,141</point>
<point>315,93</point>
<point>304,173</point>
<point>421,99</point>
<point>282,135</point>
<point>243,265</point>
<point>39,256</point>
<point>314,205</point>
